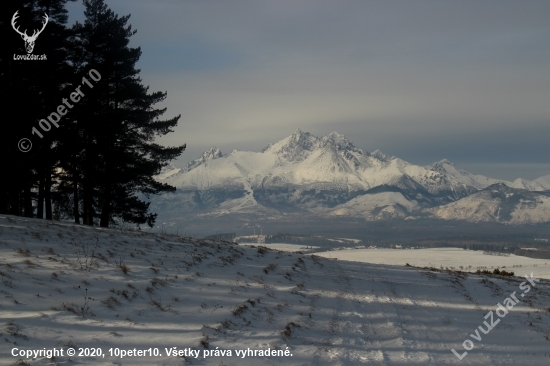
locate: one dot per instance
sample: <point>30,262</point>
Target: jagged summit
<point>300,145</point>
<point>210,154</point>
<point>339,141</point>
<point>544,181</point>
<point>528,185</point>
<point>444,162</point>
<point>295,147</point>
<point>381,156</point>
<point>446,166</point>
<point>170,172</point>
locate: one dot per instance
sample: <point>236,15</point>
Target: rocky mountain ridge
<point>329,175</point>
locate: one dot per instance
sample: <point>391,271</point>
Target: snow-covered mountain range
<point>329,175</point>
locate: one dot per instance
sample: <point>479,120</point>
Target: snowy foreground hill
<point>329,176</point>
<point>111,292</point>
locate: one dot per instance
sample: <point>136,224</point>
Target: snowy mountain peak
<point>478,181</point>
<point>210,154</point>
<point>544,181</point>
<point>445,162</point>
<point>499,186</point>
<point>300,145</point>
<point>338,141</point>
<point>381,156</point>
<point>303,138</point>
<point>295,147</point>
<point>528,185</point>
<point>445,166</point>
<point>297,132</point>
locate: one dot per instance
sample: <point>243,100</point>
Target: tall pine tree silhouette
<point>115,124</point>
<point>30,90</point>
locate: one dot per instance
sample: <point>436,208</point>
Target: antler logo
<point>29,41</point>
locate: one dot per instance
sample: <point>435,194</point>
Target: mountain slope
<point>480,181</point>
<point>544,181</point>
<point>141,291</point>
<point>527,185</point>
<point>378,206</point>
<point>499,203</point>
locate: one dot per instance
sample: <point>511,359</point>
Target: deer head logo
<point>29,40</point>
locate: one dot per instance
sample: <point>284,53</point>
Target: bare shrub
<point>205,342</point>
<point>29,263</point>
<point>240,309</point>
<point>14,330</point>
<point>157,303</point>
<point>251,302</point>
<point>85,309</point>
<point>287,332</point>
<point>159,281</point>
<point>24,253</point>
<point>271,267</point>
<point>111,302</point>
<point>85,255</point>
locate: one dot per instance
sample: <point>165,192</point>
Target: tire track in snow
<point>350,334</point>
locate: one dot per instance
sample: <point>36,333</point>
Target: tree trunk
<point>85,204</point>
<point>40,203</point>
<point>47,194</point>
<point>27,201</point>
<point>106,209</point>
<point>3,203</point>
<point>15,200</point>
<point>76,211</point>
<point>4,196</point>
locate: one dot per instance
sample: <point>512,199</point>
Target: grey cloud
<point>466,80</point>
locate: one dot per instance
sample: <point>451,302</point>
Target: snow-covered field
<point>66,286</point>
<point>446,257</point>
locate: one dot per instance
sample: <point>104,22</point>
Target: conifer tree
<point>116,124</point>
<point>30,90</point>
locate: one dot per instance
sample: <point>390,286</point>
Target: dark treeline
<point>493,247</point>
<point>538,254</point>
<point>221,236</point>
<point>91,121</point>
<point>305,240</point>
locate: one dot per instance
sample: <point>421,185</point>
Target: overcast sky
<point>422,80</point>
